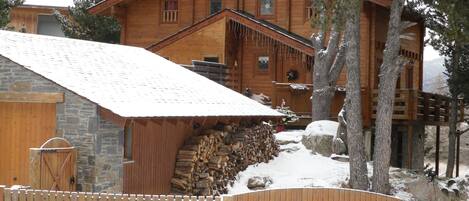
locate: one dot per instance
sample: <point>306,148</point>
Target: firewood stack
<point>208,162</point>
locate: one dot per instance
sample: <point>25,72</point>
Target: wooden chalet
<point>36,16</point>
<point>265,46</point>
<point>125,109</point>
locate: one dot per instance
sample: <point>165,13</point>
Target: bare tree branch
<point>338,64</point>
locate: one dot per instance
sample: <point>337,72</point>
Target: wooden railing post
<point>274,95</point>
<point>437,151</point>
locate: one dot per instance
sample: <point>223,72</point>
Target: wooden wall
<point>22,126</point>
<point>207,42</point>
<point>155,145</point>
<point>26,17</point>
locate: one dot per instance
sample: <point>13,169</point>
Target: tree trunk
<point>453,119</point>
<point>322,93</point>
<point>328,61</point>
<point>389,72</point>
<point>355,139</point>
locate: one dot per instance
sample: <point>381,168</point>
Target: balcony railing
<point>409,104</point>
<point>414,105</point>
<point>170,16</point>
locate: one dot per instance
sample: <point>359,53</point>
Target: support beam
<point>458,146</point>
<point>410,141</point>
<point>31,97</point>
<point>437,150</point>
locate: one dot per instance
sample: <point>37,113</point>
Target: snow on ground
<point>295,166</point>
<point>323,127</point>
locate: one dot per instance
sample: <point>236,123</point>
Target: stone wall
<point>99,143</point>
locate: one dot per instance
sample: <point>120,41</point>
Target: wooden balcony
<point>414,105</point>
<point>170,16</point>
<point>409,106</point>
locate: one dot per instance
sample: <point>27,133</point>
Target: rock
<point>338,146</point>
<point>321,144</point>
<point>319,135</point>
<point>423,189</point>
<point>258,183</point>
<point>341,158</point>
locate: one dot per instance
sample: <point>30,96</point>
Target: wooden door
<point>53,166</point>
<point>22,126</point>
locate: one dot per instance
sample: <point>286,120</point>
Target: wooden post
<point>410,142</point>
<point>437,150</point>
<point>274,95</point>
<point>2,191</point>
<point>458,143</point>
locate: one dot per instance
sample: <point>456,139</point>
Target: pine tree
<point>448,22</point>
<point>5,8</point>
<point>82,25</point>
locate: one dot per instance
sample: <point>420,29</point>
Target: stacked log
<point>208,162</point>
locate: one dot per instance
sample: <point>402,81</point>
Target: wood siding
<point>22,126</point>
<point>207,42</point>
<point>155,145</point>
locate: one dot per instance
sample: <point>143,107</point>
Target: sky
<point>430,54</point>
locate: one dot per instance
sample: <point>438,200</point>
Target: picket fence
<point>297,194</point>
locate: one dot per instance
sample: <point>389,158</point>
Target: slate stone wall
<point>99,143</point>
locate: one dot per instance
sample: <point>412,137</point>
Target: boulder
<point>258,183</point>
<point>423,189</point>
<point>319,135</point>
<point>321,144</point>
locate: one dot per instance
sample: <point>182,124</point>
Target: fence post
<point>2,192</point>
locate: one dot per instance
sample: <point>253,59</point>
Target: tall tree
<point>329,58</point>
<point>448,22</point>
<point>80,24</point>
<point>355,139</point>
<point>388,73</point>
<point>5,8</point>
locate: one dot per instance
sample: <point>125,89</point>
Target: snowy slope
<point>295,169</point>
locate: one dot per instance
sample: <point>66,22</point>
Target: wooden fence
<point>300,194</point>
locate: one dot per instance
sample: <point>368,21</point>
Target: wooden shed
<point>36,16</point>
<point>125,109</point>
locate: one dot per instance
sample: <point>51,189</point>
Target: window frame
<point>268,16</point>
<point>163,10</point>
<point>128,157</point>
<point>269,64</point>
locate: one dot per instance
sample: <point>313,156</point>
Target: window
<point>170,11</point>
<point>128,141</point>
<point>48,25</point>
<point>266,7</point>
<point>263,63</point>
<point>212,59</point>
<point>309,10</point>
<point>215,6</point>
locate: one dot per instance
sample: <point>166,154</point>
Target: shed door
<point>22,126</point>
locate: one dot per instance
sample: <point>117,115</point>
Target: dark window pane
<point>215,6</point>
<point>128,142</point>
<point>263,63</point>
<point>171,5</point>
<point>267,7</point>
<point>212,59</point>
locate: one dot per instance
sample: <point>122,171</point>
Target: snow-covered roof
<point>49,3</point>
<point>129,81</point>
